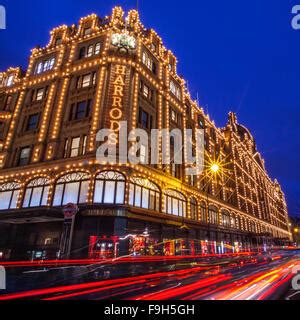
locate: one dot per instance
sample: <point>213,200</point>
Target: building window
<point>226,221</point>
<point>193,179</point>
<point>80,110</point>
<point>201,122</point>
<point>86,80</point>
<point>39,94</point>
<point>36,193</point>
<point>144,194</point>
<point>72,188</point>
<point>87,31</point>
<point>153,47</point>
<point>9,194</point>
<point>82,53</point>
<point>58,41</point>
<point>148,62</point>
<point>97,48</point>
<point>145,120</point>
<point>24,157</point>
<point>48,65</point>
<point>194,209</point>
<point>75,147</point>
<point>90,50</point>
<point>45,66</point>
<point>32,122</point>
<point>84,145</point>
<point>146,91</point>
<point>174,203</point>
<point>174,116</point>
<point>109,188</point>
<point>175,90</point>
<point>213,215</point>
<point>203,212</point>
<point>10,80</point>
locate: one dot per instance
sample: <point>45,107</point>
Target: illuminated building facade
<point>92,76</point>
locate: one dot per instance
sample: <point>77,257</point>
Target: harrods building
<point>92,76</point>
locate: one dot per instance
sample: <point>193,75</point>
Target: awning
<point>32,215</point>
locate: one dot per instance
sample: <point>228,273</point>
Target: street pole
<point>70,211</point>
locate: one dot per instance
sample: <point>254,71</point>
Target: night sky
<point>239,56</point>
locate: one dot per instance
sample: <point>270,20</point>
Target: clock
<point>123,41</point>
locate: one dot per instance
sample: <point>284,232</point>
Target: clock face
<point>123,41</point>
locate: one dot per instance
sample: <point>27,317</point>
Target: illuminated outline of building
<point>49,119</point>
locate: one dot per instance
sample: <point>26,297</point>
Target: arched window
<point>72,188</point>
<point>226,222</point>
<point>36,193</point>
<point>9,194</point>
<point>213,215</point>
<point>110,188</point>
<point>144,194</point>
<point>194,209</point>
<point>203,212</point>
<point>175,203</point>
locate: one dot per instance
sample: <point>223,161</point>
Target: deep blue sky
<point>238,55</point>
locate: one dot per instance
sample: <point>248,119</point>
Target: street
<point>229,277</point>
